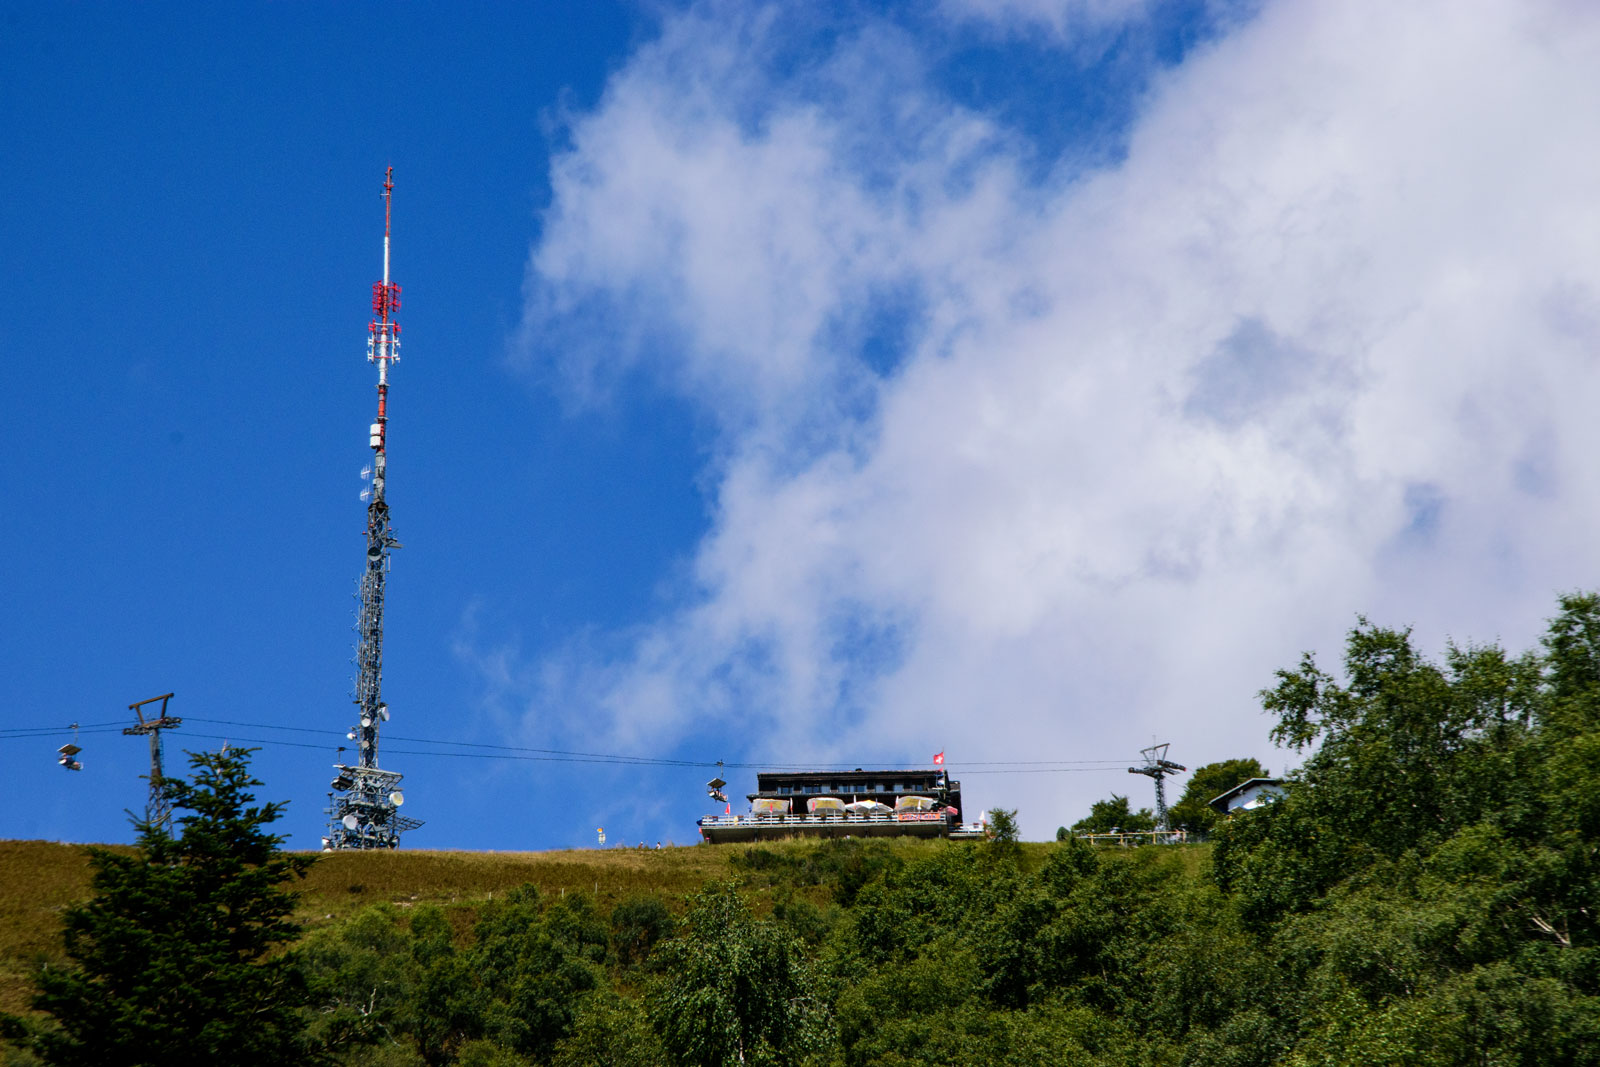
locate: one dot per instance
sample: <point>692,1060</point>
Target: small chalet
<point>1248,795</point>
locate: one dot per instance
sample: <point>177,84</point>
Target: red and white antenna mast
<point>383,337</point>
<point>363,809</point>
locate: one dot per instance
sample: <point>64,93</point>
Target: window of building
<point>812,788</point>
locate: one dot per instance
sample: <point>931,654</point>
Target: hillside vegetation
<point>1424,895</point>
<point>40,879</point>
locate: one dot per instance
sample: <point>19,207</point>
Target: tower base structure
<point>366,810</point>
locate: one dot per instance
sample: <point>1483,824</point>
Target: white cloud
<point>1322,343</point>
<point>1063,18</point>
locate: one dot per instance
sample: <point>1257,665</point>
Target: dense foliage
<point>1424,894</point>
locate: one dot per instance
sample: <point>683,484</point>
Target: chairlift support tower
<point>158,805</point>
<point>363,812</point>
<point>1157,766</point>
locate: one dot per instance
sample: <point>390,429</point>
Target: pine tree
<point>172,959</point>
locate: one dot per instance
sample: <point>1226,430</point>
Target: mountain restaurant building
<point>858,803</point>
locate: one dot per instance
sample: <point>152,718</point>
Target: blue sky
<point>813,384</point>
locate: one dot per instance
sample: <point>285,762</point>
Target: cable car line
<point>483,750</point>
<point>625,761</point>
<point>50,731</point>
<point>652,761</point>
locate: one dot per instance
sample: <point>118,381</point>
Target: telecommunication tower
<point>363,812</point>
<point>157,806</point>
<point>1157,766</point>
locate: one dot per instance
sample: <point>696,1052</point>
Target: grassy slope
<point>38,879</point>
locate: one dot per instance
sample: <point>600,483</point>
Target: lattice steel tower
<point>1157,766</point>
<point>158,806</point>
<point>364,810</point>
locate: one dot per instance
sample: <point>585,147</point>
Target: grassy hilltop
<point>38,879</point>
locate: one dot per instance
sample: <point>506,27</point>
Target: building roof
<point>1220,801</point>
<point>849,776</point>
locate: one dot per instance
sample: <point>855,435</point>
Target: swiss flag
<point>938,759</point>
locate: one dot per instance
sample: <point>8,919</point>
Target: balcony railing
<point>830,818</point>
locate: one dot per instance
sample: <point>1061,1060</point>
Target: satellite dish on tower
<point>383,712</point>
<point>349,822</point>
<point>397,798</point>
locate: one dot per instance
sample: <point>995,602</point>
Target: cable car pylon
<point>158,807</point>
<point>1157,766</point>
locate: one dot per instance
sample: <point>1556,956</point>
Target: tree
<point>735,990</point>
<point>1114,814</point>
<point>449,1003</point>
<point>1003,826</point>
<point>610,1031</point>
<point>637,924</point>
<point>364,978</point>
<point>1428,883</point>
<point>536,963</point>
<point>1407,751</point>
<point>1193,812</point>
<point>172,960</point>
<point>1005,833</point>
